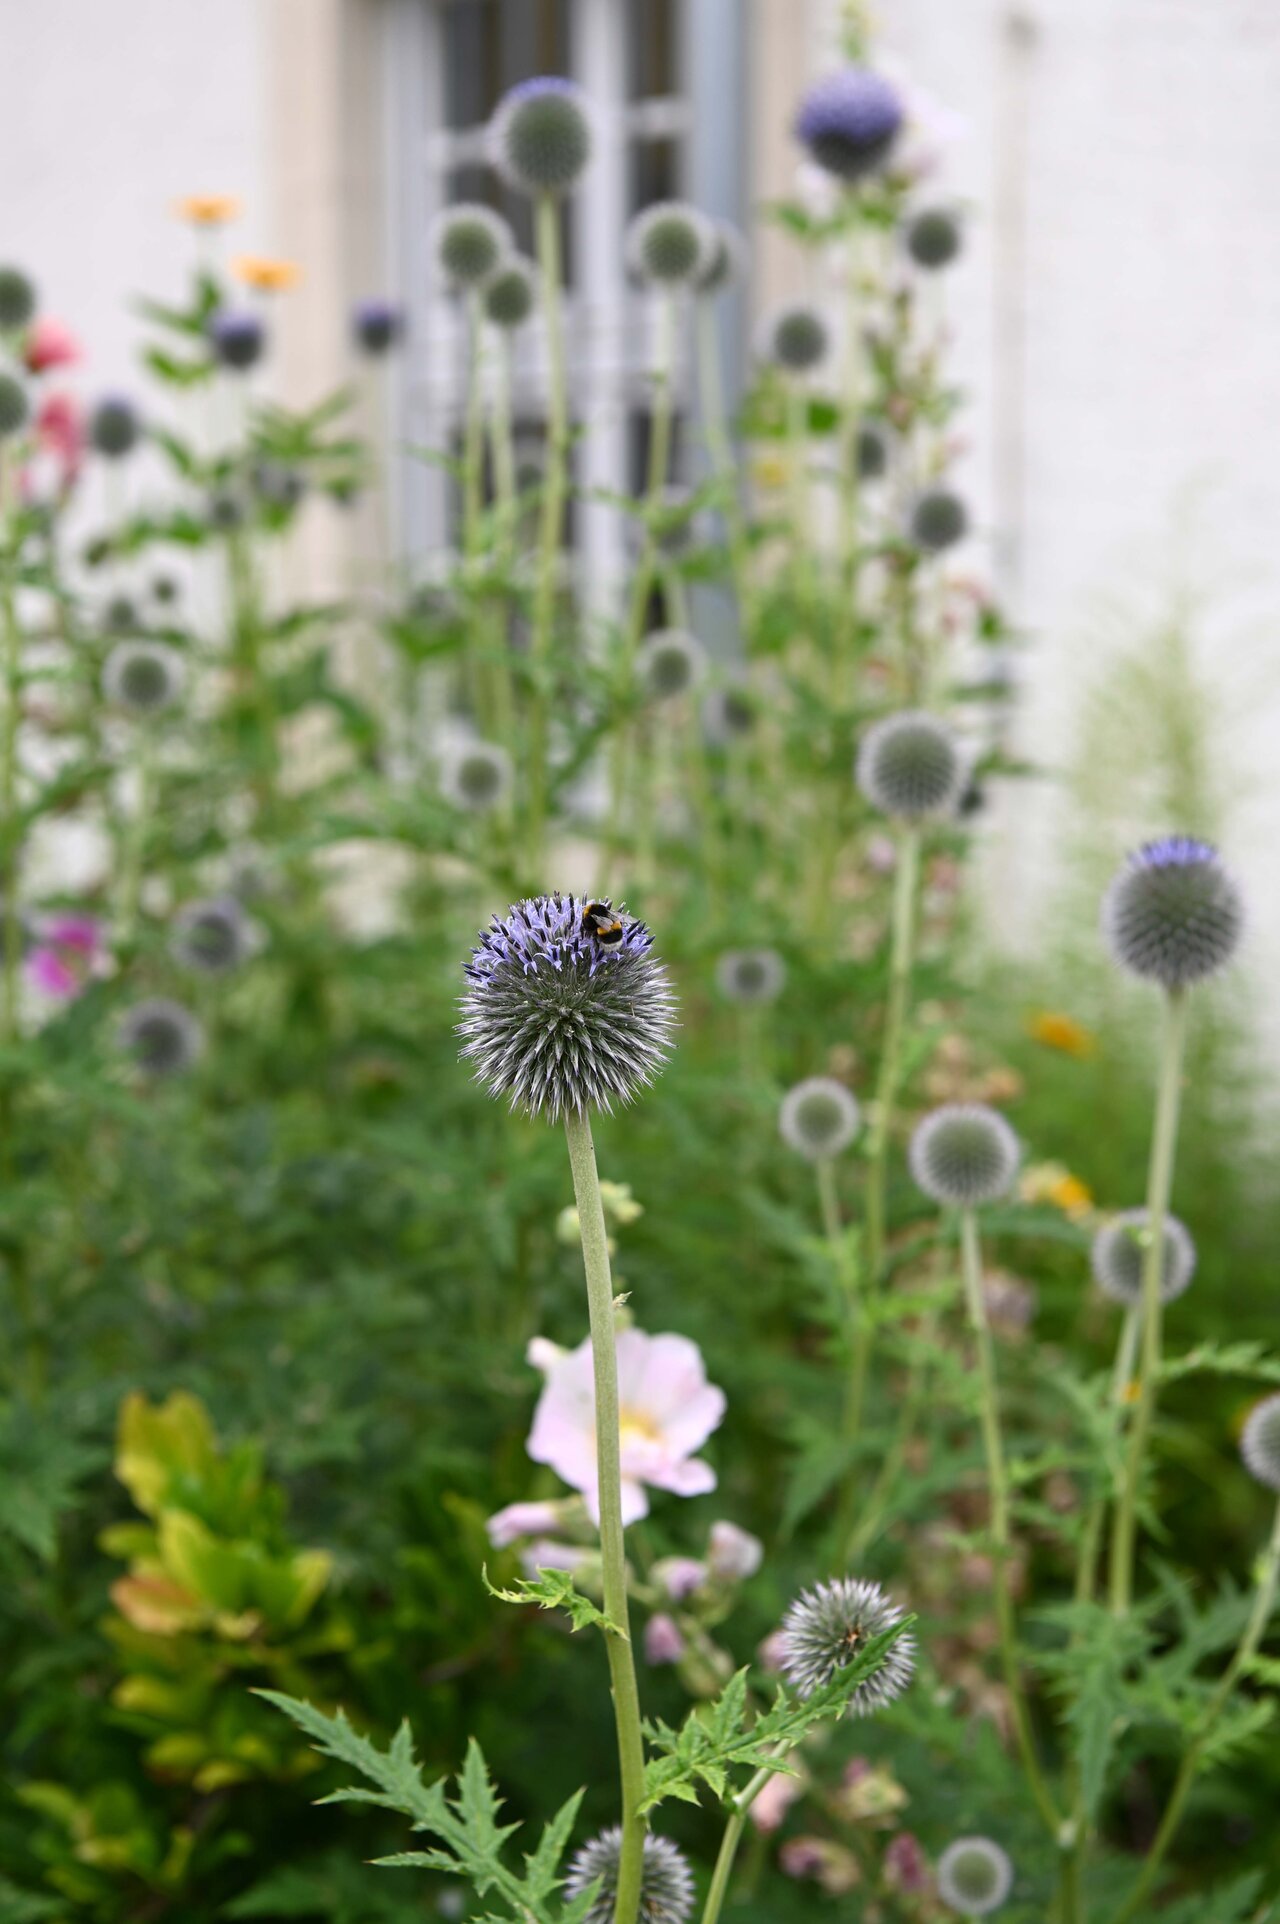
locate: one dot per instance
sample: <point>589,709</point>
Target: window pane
<point>652,64</point>
<point>491,44</point>
<point>655,172</point>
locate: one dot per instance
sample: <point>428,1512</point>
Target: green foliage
<point>555,1590</point>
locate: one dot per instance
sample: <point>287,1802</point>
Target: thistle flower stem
<point>10,843</point>
<point>901,962</point>
<point>1255,1629</point>
<point>135,848</point>
<point>473,431</point>
<point>554,489</point>
<point>848,551</point>
<point>998,1488</point>
<point>797,461</point>
<point>1159,1183</point>
<point>741,1804</point>
<point>626,1697</point>
<point>720,449</point>
<point>1091,1536</point>
<point>908,1415</point>
<point>503,455</point>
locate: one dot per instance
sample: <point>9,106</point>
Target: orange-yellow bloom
<point>1058,1031</point>
<point>268,275</point>
<point>208,210</point>
<point>1051,1182</point>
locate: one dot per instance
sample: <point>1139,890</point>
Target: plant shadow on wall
<point>877,1529</point>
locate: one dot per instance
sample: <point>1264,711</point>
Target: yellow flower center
<point>636,1426</point>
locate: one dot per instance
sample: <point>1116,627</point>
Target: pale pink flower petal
<point>546,1554</point>
<point>523,1520</point>
<point>689,1477</point>
<point>774,1801</point>
<point>733,1554</point>
<point>663,1642</point>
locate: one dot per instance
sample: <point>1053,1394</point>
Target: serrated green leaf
<point>555,1590</point>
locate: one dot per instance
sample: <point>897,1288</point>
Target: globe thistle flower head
<point>17,298</point>
<point>819,1118</point>
<point>120,615</point>
<point>669,244</point>
<point>278,486</point>
<point>974,1876</point>
<point>871,448</point>
<point>849,121</point>
<point>540,138</point>
<point>1173,914</point>
<point>939,519</point>
<point>1260,1442</point>
<point>933,238</point>
<point>225,510</point>
<point>211,937</point>
<point>671,664</point>
<point>237,337</point>
<point>1119,1258</point>
<point>964,1154</point>
<point>725,259</point>
<point>161,1037</point>
<point>476,777</point>
<point>559,1020</point>
<point>164,590</point>
<point>377,325</point>
<point>795,337</point>
<point>509,294</point>
<point>470,242</point>
<point>114,426</point>
<point>751,977</point>
<point>909,766</point>
<point>729,714</point>
<point>827,1627</point>
<point>14,406</point>
<point>143,677</point>
<point>666,1882</point>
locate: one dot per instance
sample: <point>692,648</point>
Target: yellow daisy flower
<point>1058,1031</point>
<point>268,275</point>
<point>208,210</point>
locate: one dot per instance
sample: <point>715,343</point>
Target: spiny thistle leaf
<point>554,1590</point>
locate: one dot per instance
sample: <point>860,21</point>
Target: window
<point>452,60</point>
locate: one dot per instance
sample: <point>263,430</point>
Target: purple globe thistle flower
<point>470,242</point>
<point>828,1626</point>
<point>211,937</point>
<point>14,406</point>
<point>872,447</point>
<point>1119,1253</point>
<point>162,1037</point>
<point>964,1154</point>
<point>377,325</point>
<point>795,337</point>
<point>1173,914</point>
<point>540,137</point>
<point>933,238</point>
<point>666,1882</point>
<point>669,244</point>
<point>143,677</point>
<point>509,296</point>
<point>909,766</point>
<point>1260,1442</point>
<point>559,1018</point>
<point>237,337</point>
<point>939,519</point>
<point>974,1876</point>
<point>114,426</point>
<point>849,121</point>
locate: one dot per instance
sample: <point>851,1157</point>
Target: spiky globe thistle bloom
<point>819,1118</point>
<point>509,295</point>
<point>377,324</point>
<point>143,677</point>
<point>909,766</point>
<point>237,338</point>
<point>827,1627</point>
<point>670,663</point>
<point>120,616</point>
<point>162,1037</point>
<point>557,1020</point>
<point>933,238</point>
<point>114,426</point>
<point>470,242</point>
<point>476,776</point>
<point>211,937</point>
<point>669,244</point>
<point>751,976</point>
<point>17,298</point>
<point>1119,1253</point>
<point>871,448</point>
<point>729,714</point>
<point>14,406</point>
<point>974,1876</point>
<point>938,520</point>
<point>1173,914</point>
<point>666,1882</point>
<point>1260,1442</point>
<point>540,137</point>
<point>795,337</point>
<point>964,1154</point>
<point>849,121</point>
<point>723,264</point>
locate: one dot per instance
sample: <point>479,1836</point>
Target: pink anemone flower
<point>667,1411</point>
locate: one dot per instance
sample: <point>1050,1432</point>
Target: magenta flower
<point>69,951</point>
<point>60,435</point>
<point>50,343</point>
<point>667,1411</point>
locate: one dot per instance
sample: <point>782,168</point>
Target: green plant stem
<point>798,483</point>
<point>912,1403</point>
<point>10,831</point>
<point>473,434</point>
<point>1255,1629</point>
<point>1091,1535</point>
<point>554,490</point>
<point>720,449</point>
<point>998,1490</point>
<point>738,1809</point>
<point>901,962</point>
<point>626,1698</point>
<point>1159,1183</point>
<point>134,854</point>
